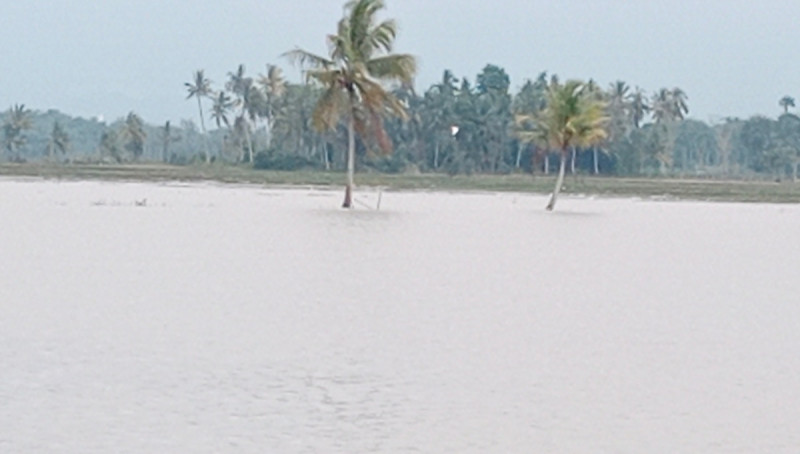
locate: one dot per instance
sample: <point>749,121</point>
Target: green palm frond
<point>397,67</point>
<point>380,38</point>
<point>573,116</point>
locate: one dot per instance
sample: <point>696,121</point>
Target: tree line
<point>457,125</point>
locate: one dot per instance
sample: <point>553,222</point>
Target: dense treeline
<point>359,108</point>
<point>454,126</point>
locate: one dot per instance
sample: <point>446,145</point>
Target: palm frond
<point>381,37</point>
<point>332,104</point>
<point>396,67</point>
<point>307,59</point>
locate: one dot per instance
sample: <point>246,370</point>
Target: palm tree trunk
<point>572,162</point>
<point>519,156</point>
<point>559,180</point>
<point>249,142</point>
<point>351,157</point>
<point>203,127</point>
<point>436,156</point>
<point>596,164</point>
<point>547,163</point>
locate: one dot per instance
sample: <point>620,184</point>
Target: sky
<point>105,58</point>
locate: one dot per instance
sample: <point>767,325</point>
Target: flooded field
<point>210,319</point>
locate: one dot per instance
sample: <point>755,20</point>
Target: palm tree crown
<point>786,102</point>
<point>574,117</point>
<point>359,61</point>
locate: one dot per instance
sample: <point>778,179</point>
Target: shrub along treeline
<point>455,126</point>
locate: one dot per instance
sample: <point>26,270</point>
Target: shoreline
<point>580,185</point>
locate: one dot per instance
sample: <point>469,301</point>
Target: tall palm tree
<point>219,113</point>
<point>574,116</point>
<point>247,98</point>
<point>360,60</point>
<point>786,102</point>
<point>134,135</point>
<point>639,107</point>
<point>59,140</point>
<point>528,102</point>
<point>438,111</point>
<point>200,88</point>
<point>18,120</point>
<point>167,139</point>
<point>273,86</point>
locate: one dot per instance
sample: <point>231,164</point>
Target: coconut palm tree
<point>786,102</point>
<point>248,98</point>
<point>219,113</point>
<point>669,105</point>
<point>273,86</point>
<point>438,112</point>
<point>18,120</point>
<point>200,88</point>
<point>59,140</point>
<point>639,107</point>
<point>360,60</point>
<point>134,135</point>
<point>574,116</point>
<point>167,139</point>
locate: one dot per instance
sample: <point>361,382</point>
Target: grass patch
<point>684,189</point>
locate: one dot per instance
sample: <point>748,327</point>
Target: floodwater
<point>225,319</point>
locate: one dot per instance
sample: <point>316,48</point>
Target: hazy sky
<point>108,57</point>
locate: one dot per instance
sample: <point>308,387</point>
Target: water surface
<point>219,319</point>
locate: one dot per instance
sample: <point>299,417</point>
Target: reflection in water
<point>242,319</point>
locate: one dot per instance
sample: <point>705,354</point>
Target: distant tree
<point>167,139</point>
<point>134,135</point>
<point>726,133</point>
<point>786,102</point>
<point>438,113</point>
<point>109,145</point>
<point>493,79</point>
<point>59,140</point>
<point>360,59</point>
<point>527,104</point>
<point>573,117</point>
<point>273,86</point>
<point>696,146</point>
<point>669,105</point>
<point>493,109</point>
<point>247,98</point>
<point>785,151</point>
<point>199,88</point>
<point>17,121</point>
<point>639,107</point>
<point>757,137</point>
<point>223,104</point>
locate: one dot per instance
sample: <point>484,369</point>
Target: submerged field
<point>684,189</point>
<point>208,318</point>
